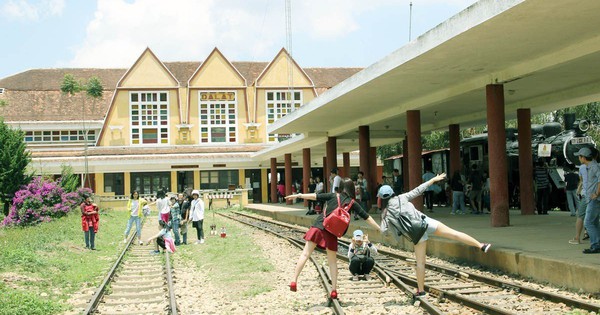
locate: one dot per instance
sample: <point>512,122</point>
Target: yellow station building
<point>171,125</point>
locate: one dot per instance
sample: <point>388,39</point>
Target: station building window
<point>279,104</point>
<point>218,116</point>
<point>150,182</point>
<point>60,136</point>
<point>218,179</point>
<point>114,182</point>
<point>149,117</point>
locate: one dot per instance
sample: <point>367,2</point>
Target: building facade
<point>163,125</point>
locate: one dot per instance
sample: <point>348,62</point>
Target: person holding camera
<point>360,253</point>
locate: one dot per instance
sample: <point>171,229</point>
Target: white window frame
<point>275,108</point>
<point>209,125</point>
<point>158,127</point>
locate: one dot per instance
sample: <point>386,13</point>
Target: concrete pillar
<point>173,181</point>
<point>454,134</point>
<point>346,167</point>
<point>415,178</point>
<point>331,152</point>
<point>264,186</point>
<point>288,177</point>
<point>274,180</point>
<point>525,161</point>
<point>497,154</point>
<point>127,183</point>
<point>305,172</point>
<point>364,145</point>
<point>405,171</point>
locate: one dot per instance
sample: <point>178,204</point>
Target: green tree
<point>14,159</point>
<point>68,181</point>
<point>93,89</point>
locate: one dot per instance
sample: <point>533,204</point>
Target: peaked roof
<point>147,51</point>
<point>35,89</point>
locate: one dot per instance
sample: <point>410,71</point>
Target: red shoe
<point>293,287</point>
<point>333,295</point>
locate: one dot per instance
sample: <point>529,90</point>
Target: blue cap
<point>585,152</point>
<point>385,192</point>
<point>357,235</point>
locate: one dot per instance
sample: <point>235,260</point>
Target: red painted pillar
<point>373,169</point>
<point>405,171</point>
<point>415,178</point>
<point>274,180</point>
<point>305,172</point>
<point>454,134</point>
<point>331,151</point>
<point>364,143</point>
<point>497,154</point>
<point>346,167</point>
<point>288,177</point>
<point>525,161</point>
<point>325,178</point>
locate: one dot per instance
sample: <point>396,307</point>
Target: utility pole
<point>410,22</point>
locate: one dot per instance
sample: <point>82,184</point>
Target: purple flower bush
<point>42,200</point>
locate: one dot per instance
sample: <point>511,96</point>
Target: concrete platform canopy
<point>545,53</point>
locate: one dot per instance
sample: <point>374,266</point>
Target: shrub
<point>40,201</point>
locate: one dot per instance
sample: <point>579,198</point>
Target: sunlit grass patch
<point>235,263</point>
<point>42,265</point>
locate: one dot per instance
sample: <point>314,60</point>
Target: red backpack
<point>338,220</point>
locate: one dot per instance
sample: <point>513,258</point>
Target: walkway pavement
<point>532,246</point>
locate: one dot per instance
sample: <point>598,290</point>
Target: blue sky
<point>113,33</point>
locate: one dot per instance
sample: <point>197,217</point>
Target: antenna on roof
<point>410,21</point>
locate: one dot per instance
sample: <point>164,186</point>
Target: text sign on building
<point>217,96</point>
<point>544,149</point>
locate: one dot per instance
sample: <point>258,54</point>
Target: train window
<point>474,153</point>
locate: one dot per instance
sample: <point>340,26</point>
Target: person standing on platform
<point>592,193</point>
<point>458,193</point>
<point>399,208</point>
<point>335,181</point>
<point>476,182</point>
<point>429,192</point>
<point>542,183</point>
<point>583,202</point>
<point>362,192</point>
<point>319,188</point>
<point>397,182</point>
<point>572,181</point>
<point>317,235</point>
<point>311,189</point>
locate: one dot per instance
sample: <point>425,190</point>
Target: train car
<point>557,146</point>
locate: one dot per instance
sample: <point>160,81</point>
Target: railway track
<point>138,283</point>
<point>450,290</point>
<point>375,296</point>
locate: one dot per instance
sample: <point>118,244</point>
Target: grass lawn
<point>41,265</point>
<point>234,263</point>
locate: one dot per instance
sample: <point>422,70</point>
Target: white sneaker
<point>125,241</point>
<point>367,277</point>
<point>202,241</point>
<point>141,243</point>
<point>355,278</point>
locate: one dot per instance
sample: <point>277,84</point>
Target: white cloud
<point>32,10</point>
<point>180,30</point>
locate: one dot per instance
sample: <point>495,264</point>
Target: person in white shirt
<point>197,215</point>
<point>337,180</point>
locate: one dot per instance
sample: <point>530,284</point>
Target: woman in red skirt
<point>318,236</point>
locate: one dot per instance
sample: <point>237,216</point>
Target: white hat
<point>358,235</point>
<point>196,192</point>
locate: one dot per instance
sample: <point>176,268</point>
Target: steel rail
<point>337,307</point>
<point>91,306</point>
<point>172,301</point>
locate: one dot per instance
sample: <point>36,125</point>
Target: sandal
<point>574,242</point>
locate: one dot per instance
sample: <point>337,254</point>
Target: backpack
<point>338,220</point>
<point>405,221</point>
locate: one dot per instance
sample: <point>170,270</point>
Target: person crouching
<point>360,254</point>
<point>163,239</point>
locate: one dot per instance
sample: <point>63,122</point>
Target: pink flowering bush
<point>40,201</point>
